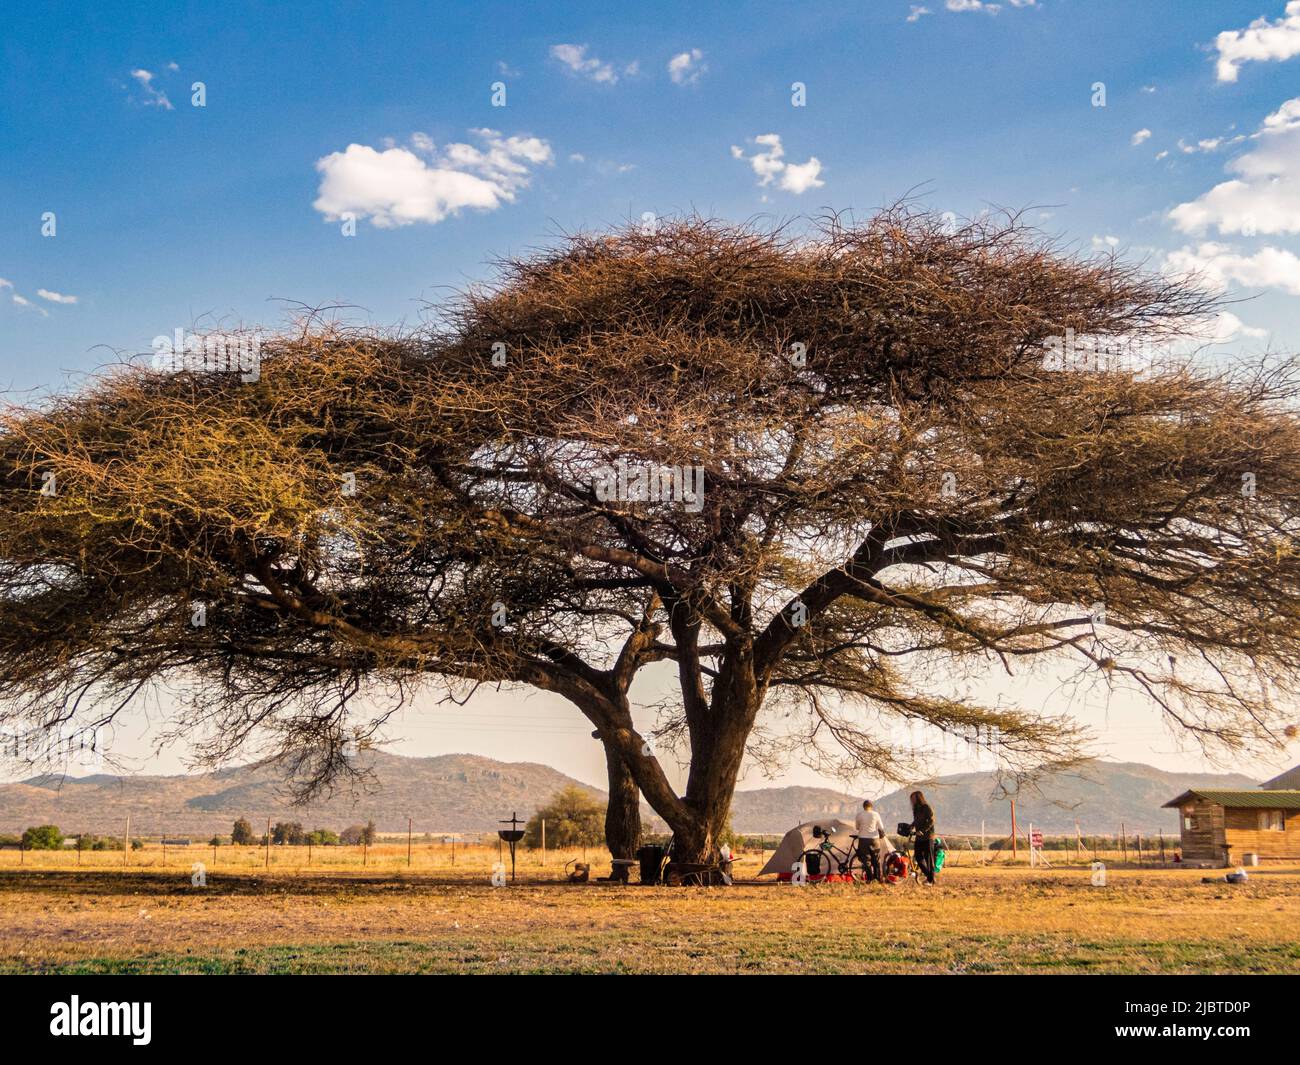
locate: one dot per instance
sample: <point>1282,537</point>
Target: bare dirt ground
<point>149,917</point>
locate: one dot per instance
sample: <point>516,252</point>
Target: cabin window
<point>1189,822</point>
<point>1272,821</point>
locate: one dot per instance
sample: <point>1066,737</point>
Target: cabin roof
<point>1256,800</point>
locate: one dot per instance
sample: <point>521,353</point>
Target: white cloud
<point>770,165</point>
<point>1261,41</point>
<point>21,301</point>
<point>686,68</point>
<point>988,9</point>
<point>1106,243</point>
<point>55,297</point>
<point>918,12</point>
<point>153,96</point>
<point>1227,326</point>
<point>397,187</point>
<point>1217,266</point>
<point>1286,117</point>
<point>1264,197</point>
<point>574,56</point>
<point>1140,137</point>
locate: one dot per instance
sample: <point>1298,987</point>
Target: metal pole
<point>1014,841</point>
<point>408,843</point>
<point>268,843</point>
<point>126,842</point>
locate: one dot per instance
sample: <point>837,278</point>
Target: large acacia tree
<point>895,483</point>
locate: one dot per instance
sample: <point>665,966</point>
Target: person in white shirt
<point>871,833</point>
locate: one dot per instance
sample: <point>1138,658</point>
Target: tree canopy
<point>814,472</point>
<point>574,818</point>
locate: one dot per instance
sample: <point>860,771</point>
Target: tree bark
<point>623,815</point>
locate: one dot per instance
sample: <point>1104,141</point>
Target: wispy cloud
<point>988,9</point>
<point>20,300</point>
<point>574,56</point>
<point>686,68</point>
<point>153,96</point>
<point>55,297</point>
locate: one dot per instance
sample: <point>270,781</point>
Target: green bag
<point>940,853</point>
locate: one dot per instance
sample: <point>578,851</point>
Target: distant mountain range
<point>468,793</point>
<point>449,793</point>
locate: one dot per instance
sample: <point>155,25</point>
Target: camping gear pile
<point>830,863</point>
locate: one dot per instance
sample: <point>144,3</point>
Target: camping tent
<point>800,839</point>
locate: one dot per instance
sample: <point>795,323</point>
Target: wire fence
<point>464,853</point>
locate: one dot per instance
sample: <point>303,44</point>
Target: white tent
<point>801,838</point>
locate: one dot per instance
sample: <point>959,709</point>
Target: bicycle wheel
<point>813,862</point>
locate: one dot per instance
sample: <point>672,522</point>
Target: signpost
<point>1036,856</point>
<point>512,835</point>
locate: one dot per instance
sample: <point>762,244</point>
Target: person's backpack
<point>895,867</point>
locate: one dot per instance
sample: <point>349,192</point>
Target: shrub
<point>574,818</point>
<point>43,838</point>
<point>323,837</point>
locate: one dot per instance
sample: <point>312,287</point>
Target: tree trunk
<point>623,815</point>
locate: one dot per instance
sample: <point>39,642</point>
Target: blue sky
<point>170,215</point>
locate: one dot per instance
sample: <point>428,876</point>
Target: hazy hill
<point>468,793</point>
<point>447,793</point>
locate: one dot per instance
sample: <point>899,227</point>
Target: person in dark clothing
<point>923,826</point>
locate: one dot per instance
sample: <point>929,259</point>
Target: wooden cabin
<point>1222,827</point>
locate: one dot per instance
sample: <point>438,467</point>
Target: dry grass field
<point>147,917</point>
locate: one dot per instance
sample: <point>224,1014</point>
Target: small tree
<point>289,832</point>
<point>353,835</point>
<point>43,838</point>
<point>574,818</point>
<point>215,841</point>
<point>323,837</point>
<point>241,834</point>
